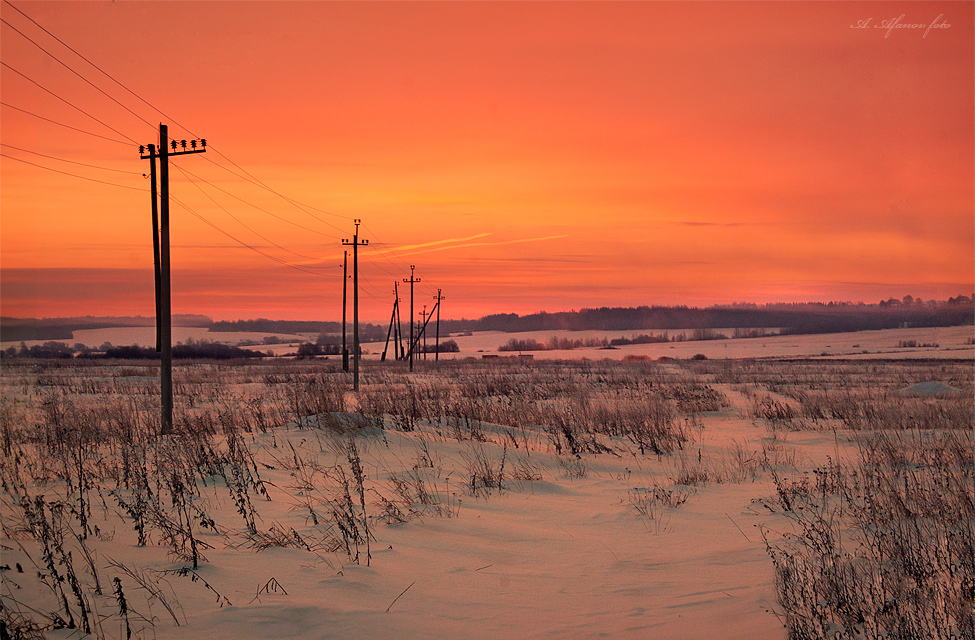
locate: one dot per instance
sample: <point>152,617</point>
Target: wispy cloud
<point>445,244</point>
<point>696,223</point>
<point>406,249</point>
<point>485,244</point>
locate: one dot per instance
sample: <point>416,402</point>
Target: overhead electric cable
<point>273,215</point>
<point>250,177</point>
<point>83,164</point>
<point>236,219</point>
<point>75,175</point>
<point>80,55</point>
<point>63,64</point>
<point>383,268</point>
<point>244,244</point>
<point>287,199</point>
<point>67,126</point>
<point>73,106</point>
<point>383,253</point>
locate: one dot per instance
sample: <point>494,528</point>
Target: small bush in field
<point>886,544</point>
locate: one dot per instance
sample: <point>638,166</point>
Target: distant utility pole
<point>160,239</point>
<point>400,353</point>
<point>423,333</point>
<point>421,329</point>
<point>355,244</point>
<point>412,281</point>
<point>438,298</point>
<point>345,292</point>
<point>392,333</point>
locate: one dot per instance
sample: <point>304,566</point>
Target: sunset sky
<point>524,156</point>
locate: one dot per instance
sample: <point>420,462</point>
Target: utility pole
<point>155,242</point>
<point>438,299</point>
<point>423,333</point>
<point>412,281</point>
<point>164,320</point>
<point>400,353</point>
<point>392,323</point>
<point>355,244</point>
<point>345,291</point>
<point>421,329</point>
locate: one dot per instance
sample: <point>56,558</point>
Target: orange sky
<point>524,156</point>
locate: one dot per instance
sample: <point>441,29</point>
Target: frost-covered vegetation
<point>862,493</point>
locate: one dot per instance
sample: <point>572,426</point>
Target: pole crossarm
<point>178,149</point>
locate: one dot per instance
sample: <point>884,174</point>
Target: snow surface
<point>561,557</point>
<point>565,555</point>
<point>952,342</point>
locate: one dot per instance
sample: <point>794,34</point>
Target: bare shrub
<point>886,543</point>
<point>651,503</point>
<point>484,470</point>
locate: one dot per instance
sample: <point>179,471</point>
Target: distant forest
<point>22,329</point>
<point>791,318</point>
<point>788,318</point>
<point>264,325</point>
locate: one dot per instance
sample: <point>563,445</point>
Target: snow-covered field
<point>939,342</point>
<point>474,500</point>
<point>952,342</point>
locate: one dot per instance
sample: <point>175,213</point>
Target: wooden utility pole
<point>355,244</point>
<point>155,242</point>
<point>412,281</point>
<point>438,299</point>
<point>392,324</point>
<point>164,322</point>
<point>401,353</point>
<point>424,314</point>
<point>345,292</point>
<point>421,329</point>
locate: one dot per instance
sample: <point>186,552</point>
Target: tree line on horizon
<point>801,318</point>
<point>53,350</point>
<point>796,318</point>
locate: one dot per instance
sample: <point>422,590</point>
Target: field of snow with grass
<point>484,499</point>
<point>930,342</point>
<point>933,342</point>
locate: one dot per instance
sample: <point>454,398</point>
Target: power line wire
<point>238,220</point>
<point>251,178</point>
<point>298,205</point>
<point>244,244</point>
<point>63,64</point>
<point>93,166</point>
<point>273,215</point>
<point>75,175</point>
<point>70,104</point>
<point>67,126</point>
<point>80,55</point>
